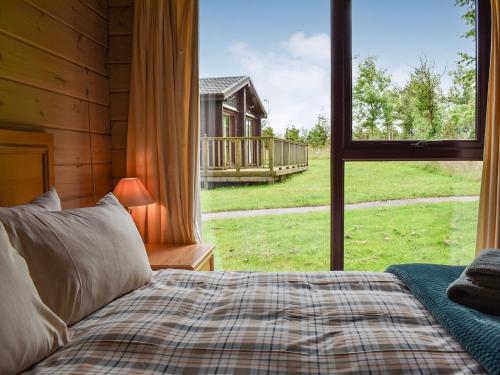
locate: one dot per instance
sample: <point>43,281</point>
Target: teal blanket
<point>478,333</point>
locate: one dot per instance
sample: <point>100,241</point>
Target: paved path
<point>353,206</point>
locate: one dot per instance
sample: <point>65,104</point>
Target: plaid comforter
<point>273,323</point>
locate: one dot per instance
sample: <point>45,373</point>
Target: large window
<point>265,133</point>
<point>409,82</point>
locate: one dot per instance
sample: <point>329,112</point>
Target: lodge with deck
<point>232,146</point>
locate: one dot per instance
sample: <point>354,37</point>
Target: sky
<point>284,46</point>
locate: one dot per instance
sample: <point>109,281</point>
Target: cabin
<point>230,107</point>
<point>232,146</point>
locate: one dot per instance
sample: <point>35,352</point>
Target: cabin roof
<point>224,87</point>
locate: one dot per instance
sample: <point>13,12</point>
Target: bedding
<point>273,323</point>
<point>29,331</point>
<point>80,259</point>
<point>48,201</point>
<point>485,269</point>
<point>478,333</point>
<point>466,292</point>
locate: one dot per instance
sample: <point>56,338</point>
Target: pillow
<point>83,258</point>
<point>29,331</point>
<point>48,201</point>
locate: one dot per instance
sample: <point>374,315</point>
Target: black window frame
<point>344,148</point>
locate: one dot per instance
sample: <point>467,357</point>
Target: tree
<point>461,100</point>
<point>460,119</point>
<point>319,135</point>
<point>469,16</point>
<point>406,112</point>
<point>424,89</point>
<point>373,101</point>
<point>267,130</point>
<point>292,133</point>
<point>389,113</point>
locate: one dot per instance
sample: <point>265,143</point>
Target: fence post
<point>260,160</point>
<point>282,153</point>
<point>271,154</point>
<point>289,149</point>
<point>204,152</point>
<point>238,154</point>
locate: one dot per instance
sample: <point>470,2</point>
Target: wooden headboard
<point>26,166</point>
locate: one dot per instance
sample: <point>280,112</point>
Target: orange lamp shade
<point>132,193</point>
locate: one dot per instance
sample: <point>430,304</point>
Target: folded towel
<point>485,269</point>
<point>466,293</point>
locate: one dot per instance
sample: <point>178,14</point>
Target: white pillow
<point>83,258</point>
<point>29,331</point>
<point>49,201</point>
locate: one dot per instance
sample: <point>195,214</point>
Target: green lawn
<point>374,238</point>
<point>365,181</point>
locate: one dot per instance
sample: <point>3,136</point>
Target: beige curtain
<point>163,127</point>
<point>488,230</point>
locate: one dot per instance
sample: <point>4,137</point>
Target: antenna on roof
<point>267,101</point>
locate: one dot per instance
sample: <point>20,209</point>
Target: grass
<point>365,181</point>
<point>374,238</point>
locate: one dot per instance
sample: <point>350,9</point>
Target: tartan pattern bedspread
<point>262,323</point>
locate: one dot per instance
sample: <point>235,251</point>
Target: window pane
<point>265,133</point>
<point>410,212</point>
<point>414,70</point>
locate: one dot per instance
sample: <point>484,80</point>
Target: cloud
<point>401,75</point>
<point>295,78</point>
<point>314,48</point>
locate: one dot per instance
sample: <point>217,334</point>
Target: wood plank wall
<point>121,14</point>
<point>53,56</point>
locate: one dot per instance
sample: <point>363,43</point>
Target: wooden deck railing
<point>251,153</point>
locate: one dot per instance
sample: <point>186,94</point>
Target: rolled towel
<point>467,293</point>
<point>485,269</point>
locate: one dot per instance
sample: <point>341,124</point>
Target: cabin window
<point>409,97</point>
<point>250,143</point>
<point>225,128</point>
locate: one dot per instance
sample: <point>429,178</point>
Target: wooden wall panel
<point>120,48</point>
<point>39,30</point>
<point>121,14</point>
<point>120,20</point>
<point>120,3</point>
<point>119,135</point>
<point>119,78</point>
<point>52,52</point>
<point>78,178</point>
<point>119,106</point>
<point>73,148</point>
<point>77,16</point>
<point>28,105</point>
<point>28,65</point>
<point>98,6</point>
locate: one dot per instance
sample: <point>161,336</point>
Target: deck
<point>250,159</point>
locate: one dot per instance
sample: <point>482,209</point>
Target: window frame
<point>344,148</point>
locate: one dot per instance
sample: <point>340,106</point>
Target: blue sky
<point>284,46</point>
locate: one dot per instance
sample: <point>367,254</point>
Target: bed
<point>268,323</point>
<point>187,322</point>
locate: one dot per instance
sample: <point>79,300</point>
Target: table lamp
<point>131,192</point>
